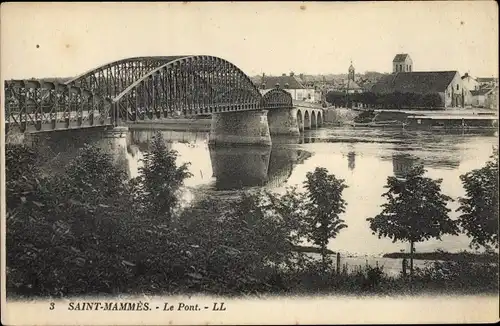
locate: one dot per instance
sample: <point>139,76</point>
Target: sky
<point>67,39</point>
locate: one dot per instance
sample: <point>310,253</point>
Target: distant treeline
<point>395,100</point>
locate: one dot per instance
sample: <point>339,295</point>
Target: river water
<point>363,157</point>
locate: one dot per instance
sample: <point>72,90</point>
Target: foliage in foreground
<point>479,207</point>
<point>90,231</point>
<point>415,210</point>
<point>324,206</point>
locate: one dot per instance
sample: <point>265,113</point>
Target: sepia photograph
<point>178,163</point>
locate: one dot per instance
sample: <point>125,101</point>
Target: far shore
<point>447,256</point>
<point>435,255</point>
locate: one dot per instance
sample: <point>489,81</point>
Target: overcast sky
<point>49,40</point>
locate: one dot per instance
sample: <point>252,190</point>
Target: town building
<point>402,63</point>
<point>293,85</point>
<point>349,85</point>
<point>485,98</point>
<point>470,83</point>
<point>447,84</point>
<point>487,82</point>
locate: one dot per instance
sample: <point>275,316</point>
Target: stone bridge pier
<point>288,117</point>
<point>283,121</point>
<point>240,127</point>
<point>293,121</point>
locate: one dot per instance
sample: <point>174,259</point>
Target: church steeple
<point>350,76</point>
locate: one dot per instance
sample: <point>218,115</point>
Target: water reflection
<point>284,157</point>
<point>235,168</point>
<point>402,164</point>
<point>351,160</point>
<point>364,158</point>
<point>225,168</point>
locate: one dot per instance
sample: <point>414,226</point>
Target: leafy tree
<point>78,215</point>
<point>479,218</point>
<point>93,173</point>
<point>325,204</point>
<point>432,100</point>
<point>291,208</point>
<point>22,173</point>
<point>336,98</point>
<point>159,181</point>
<point>415,210</point>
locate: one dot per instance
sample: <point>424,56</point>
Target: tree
<point>479,207</point>
<point>432,100</point>
<point>325,204</point>
<point>78,214</point>
<point>415,210</point>
<point>22,173</point>
<point>159,180</point>
<point>93,173</point>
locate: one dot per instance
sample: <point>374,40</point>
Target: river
<point>363,157</point>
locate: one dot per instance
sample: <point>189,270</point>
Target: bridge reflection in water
<point>231,167</point>
<point>241,167</point>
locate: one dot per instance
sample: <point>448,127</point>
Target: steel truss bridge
<point>136,89</point>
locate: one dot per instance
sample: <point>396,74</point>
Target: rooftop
<point>422,82</point>
<point>481,91</point>
<point>286,81</point>
<point>400,57</point>
<point>486,79</point>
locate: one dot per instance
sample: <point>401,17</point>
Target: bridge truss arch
<point>277,99</point>
<point>187,86</point>
<point>131,89</point>
<point>112,78</point>
<point>32,105</point>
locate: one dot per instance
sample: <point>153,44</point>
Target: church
<point>447,84</point>
<point>350,86</point>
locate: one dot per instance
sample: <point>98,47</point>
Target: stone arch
<point>314,121</point>
<point>307,120</point>
<point>300,120</point>
<point>319,118</point>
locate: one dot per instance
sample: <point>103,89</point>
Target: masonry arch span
<point>314,121</point>
<point>300,120</point>
<point>307,120</point>
<point>320,118</point>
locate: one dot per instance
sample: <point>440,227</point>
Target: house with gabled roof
<point>448,84</point>
<point>446,87</point>
<point>293,85</point>
<point>484,98</point>
<point>487,82</point>
<point>470,82</point>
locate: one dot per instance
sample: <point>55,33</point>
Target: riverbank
<point>111,238</point>
<point>447,256</point>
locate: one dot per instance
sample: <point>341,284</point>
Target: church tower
<point>402,63</point>
<point>350,76</point>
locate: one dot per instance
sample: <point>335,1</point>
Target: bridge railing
<point>37,106</point>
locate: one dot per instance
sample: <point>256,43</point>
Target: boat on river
<point>445,122</point>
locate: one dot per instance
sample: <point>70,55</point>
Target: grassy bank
<point>89,230</point>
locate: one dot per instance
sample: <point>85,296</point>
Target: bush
<point>82,232</point>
